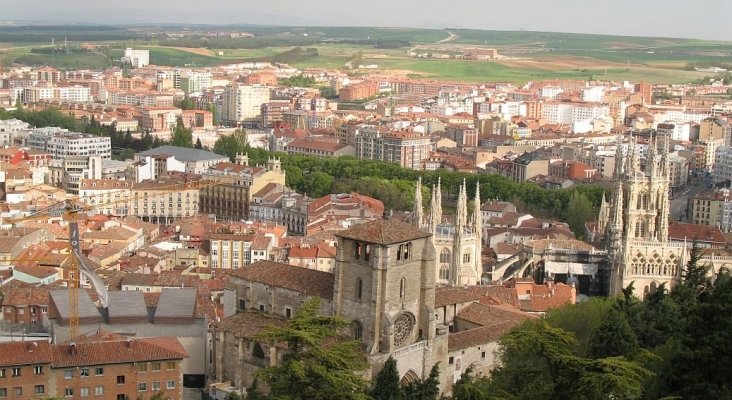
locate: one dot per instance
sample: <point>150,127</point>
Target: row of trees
<point>317,177</point>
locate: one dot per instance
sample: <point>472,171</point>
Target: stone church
<point>634,225</point>
<point>385,284</point>
<point>457,244</point>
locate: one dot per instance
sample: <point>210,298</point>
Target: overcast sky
<point>703,19</point>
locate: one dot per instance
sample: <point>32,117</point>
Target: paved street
<point>678,205</point>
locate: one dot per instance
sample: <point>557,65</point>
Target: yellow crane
<point>69,209</point>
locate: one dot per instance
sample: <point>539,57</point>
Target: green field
<point>530,55</point>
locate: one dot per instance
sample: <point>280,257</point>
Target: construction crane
<point>69,210</point>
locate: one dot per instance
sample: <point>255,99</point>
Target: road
<point>450,38</point>
<point>679,204</point>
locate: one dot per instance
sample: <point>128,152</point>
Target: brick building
<point>103,365</point>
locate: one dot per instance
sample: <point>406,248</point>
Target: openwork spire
<point>418,212</point>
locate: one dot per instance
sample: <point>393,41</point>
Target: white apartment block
<point>569,113</point>
<point>243,102</point>
<point>140,99</point>
<point>507,109</point>
<point>79,94</point>
<point>723,164</point>
<point>136,58</point>
<point>593,94</point>
<point>551,92</point>
<point>77,144</point>
<point>195,81</point>
<point>675,131</point>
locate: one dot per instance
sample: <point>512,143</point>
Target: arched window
<point>357,330</point>
<point>399,252</point>
<point>407,250</point>
<point>445,256</point>
<point>445,273</point>
<point>359,288</point>
<point>357,252</point>
<point>258,351</point>
<point>402,288</point>
<point>367,254</point>
<point>466,258</point>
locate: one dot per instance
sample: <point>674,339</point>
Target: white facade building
<point>593,94</point>
<point>77,144</point>
<point>136,58</point>
<point>243,102</point>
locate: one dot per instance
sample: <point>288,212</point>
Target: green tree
<point>702,365</point>
<point>182,136</point>
<point>424,389</point>
<point>613,338</point>
<point>231,145</point>
<point>581,319</point>
<point>469,388</point>
<point>319,363</point>
<point>578,211</point>
<point>538,363</point>
<point>386,384</point>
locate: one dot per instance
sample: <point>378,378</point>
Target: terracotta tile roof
<point>307,281</point>
<point>37,271</point>
<point>25,296</point>
<point>249,324</point>
<point>118,351</point>
<point>24,353</point>
<point>679,231</point>
<point>447,295</point>
<point>383,231</point>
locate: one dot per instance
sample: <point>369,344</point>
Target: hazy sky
<point>704,19</point>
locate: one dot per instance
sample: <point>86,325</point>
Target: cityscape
<point>287,207</point>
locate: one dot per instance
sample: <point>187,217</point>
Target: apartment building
<point>136,58</point>
<point>107,196</point>
<point>528,165</point>
<point>567,113</point>
<point>139,99</point>
<point>230,200</point>
<point>164,199</point>
<point>159,119</point>
<point>243,102</point>
<point>319,147</point>
<point>713,208</point>
<point>104,365</point>
<point>76,93</point>
<point>406,148</point>
<point>195,81</point>
<point>74,169</point>
<point>714,129</point>
<point>272,112</point>
<point>79,144</point>
<point>235,250</point>
<point>358,91</point>
<point>463,135</point>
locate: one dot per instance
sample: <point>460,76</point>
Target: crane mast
<point>74,279</point>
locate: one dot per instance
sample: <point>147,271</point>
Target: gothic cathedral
<point>457,245</point>
<point>635,223</point>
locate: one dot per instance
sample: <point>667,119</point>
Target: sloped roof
<point>176,303</point>
<point>182,153</point>
<point>307,281</point>
<point>383,231</point>
<point>249,324</point>
<point>24,353</point>
<point>118,351</point>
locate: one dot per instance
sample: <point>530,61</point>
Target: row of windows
<point>142,386</point>
<point>84,392</point>
<point>155,366</point>
<point>18,391</point>
<point>17,371</point>
<point>83,372</point>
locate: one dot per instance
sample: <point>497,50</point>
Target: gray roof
<point>128,303</point>
<point>87,309</point>
<point>183,153</point>
<point>176,303</point>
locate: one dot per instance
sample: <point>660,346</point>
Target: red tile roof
<point>24,353</point>
<point>307,281</point>
<point>117,351</point>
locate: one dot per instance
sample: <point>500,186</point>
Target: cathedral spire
<point>418,212</point>
<point>618,158</point>
<point>461,220</point>
<point>478,215</point>
<point>435,207</point>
